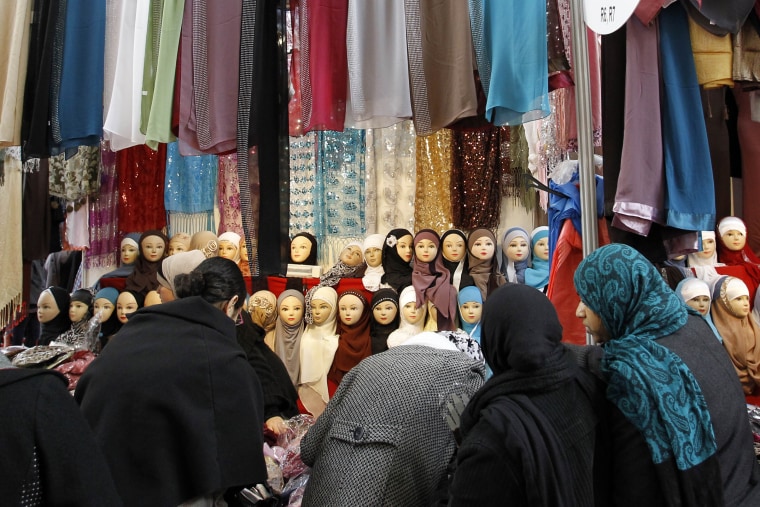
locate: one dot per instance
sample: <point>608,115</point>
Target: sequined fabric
<point>230,216</point>
<point>476,178</point>
<point>140,171</point>
<point>76,177</point>
<point>391,178</point>
<point>295,123</point>
<point>303,171</point>
<point>104,221</point>
<point>190,191</point>
<point>433,208</point>
<point>514,147</point>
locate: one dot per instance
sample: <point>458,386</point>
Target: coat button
<point>358,433</point>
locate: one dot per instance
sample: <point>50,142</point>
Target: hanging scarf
<point>287,341</point>
<point>11,262</point>
<point>459,270</point>
<point>51,330</point>
<point>104,222</point>
<point>230,216</point>
<point>433,202</point>
<point>190,191</point>
<point>406,329</point>
<point>398,272</point>
<point>373,274</point>
<point>650,385</point>
<point>143,279</point>
<point>141,188</point>
<point>76,177</point>
<point>380,332</point>
<point>303,170</point>
<point>431,283</point>
<point>355,343</point>
<point>537,276</point>
<point>514,272</point>
<point>484,272</point>
<point>16,25</point>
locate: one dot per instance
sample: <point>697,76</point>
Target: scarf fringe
<point>12,313</point>
<point>189,223</point>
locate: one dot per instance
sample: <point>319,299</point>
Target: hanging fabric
<point>303,175</point>
<point>78,176</point>
<point>189,191</point>
<point>141,172</point>
<point>104,222</point>
<point>433,198</point>
<point>15,21</point>
<point>11,272</point>
<point>230,218</point>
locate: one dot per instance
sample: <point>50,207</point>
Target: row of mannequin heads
<point>153,248</point>
<point>47,308</point>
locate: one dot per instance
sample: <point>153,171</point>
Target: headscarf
<point>379,332</point>
<point>233,238</point>
<point>178,264</point>
<point>182,238</point>
<point>143,278</point>
<point>514,272</point>
<point>206,242</point>
<point>398,272</point>
<point>355,343</point>
<point>262,306</point>
<point>689,288</point>
<point>537,276</point>
<point>431,282</point>
<point>744,257</point>
<point>287,342</point>
<point>125,270</point>
<point>311,260</point>
<point>373,275</point>
<point>650,385</point>
<point>470,295</point>
<point>49,331</point>
<point>112,324</point>
<point>342,270</point>
<point>459,270</point>
<point>740,334</point>
<point>483,271</point>
<point>405,328</point>
<point>695,260</point>
<point>139,298</point>
<point>318,345</point>
<point>76,336</point>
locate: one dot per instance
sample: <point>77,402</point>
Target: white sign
<point>606,16</point>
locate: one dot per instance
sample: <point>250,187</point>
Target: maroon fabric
<point>431,283</point>
<point>141,172</point>
<point>354,344</point>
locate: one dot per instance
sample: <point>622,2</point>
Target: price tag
<point>606,16</point>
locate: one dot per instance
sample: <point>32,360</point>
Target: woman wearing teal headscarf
<point>672,381</point>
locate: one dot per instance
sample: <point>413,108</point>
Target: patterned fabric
<point>104,221</point>
<point>11,272</point>
<point>190,189</point>
<point>141,188</point>
<point>651,385</point>
<point>433,208</point>
<point>339,196</point>
<point>303,175</point>
<point>76,177</point>
<point>230,217</point>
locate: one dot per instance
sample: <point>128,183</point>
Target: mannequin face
<point>47,308</point>
<point>541,250</point>
<point>708,248</point>
<point>483,248</point>
<point>453,248</point>
<point>413,315</point>
<point>300,248</point>
<point>77,311</point>
<point>243,251</point>
<point>128,254</point>
<point>227,249</point>
<point>104,307</point>
<point>734,240</point>
<point>176,247</point>
<point>320,311</point>
<point>152,298</point>
<point>350,309</point>
<point>384,312</point>
<point>425,250</point>
<point>126,305</point>
<point>373,256</point>
<point>700,304</point>
<point>153,248</point>
<point>740,306</point>
<point>471,312</point>
<point>593,323</point>
<point>352,255</point>
<point>404,247</point>
<point>517,250</point>
<point>291,310</point>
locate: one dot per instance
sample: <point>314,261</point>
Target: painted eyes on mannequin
<point>425,250</point>
<point>740,306</point>
<point>700,304</point>
<point>153,248</point>
<point>77,311</point>
<point>483,248</point>
<point>47,308</point>
<point>350,309</point>
<point>373,256</point>
<point>517,250</point>
<point>541,250</point>
<point>128,254</point>
<point>176,247</point>
<point>708,248</point>
<point>734,240</point>
<point>300,248</point>
<point>291,310</point>
<point>453,248</point>
<point>384,312</point>
<point>471,312</point>
<point>103,307</point>
<point>352,256</point>
<point>320,311</point>
<point>412,314</point>
<point>227,250</point>
<point>404,247</point>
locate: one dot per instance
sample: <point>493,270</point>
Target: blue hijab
<point>537,276</point>
<point>468,295</point>
<point>650,385</point>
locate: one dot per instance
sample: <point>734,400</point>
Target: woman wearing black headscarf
<point>529,433</point>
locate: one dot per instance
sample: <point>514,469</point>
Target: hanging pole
<point>581,74</point>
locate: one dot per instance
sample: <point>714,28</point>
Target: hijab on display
<point>458,270</point>
<point>262,306</point>
<point>373,274</point>
<point>342,270</point>
<point>650,384</point>
<point>125,270</point>
<point>143,279</point>
<point>179,263</point>
<point>61,323</point>
<point>111,324</point>
<point>689,288</point>
<point>76,335</point>
<point>407,329</point>
<point>287,342</point>
<point>740,333</point>
<point>311,259</point>
<point>695,259</point>
<point>380,332</point>
<point>206,242</point>
<point>470,295</point>
<point>484,272</point>
<point>744,257</point>
<point>234,239</point>
<point>398,272</point>
<point>180,242</point>
<point>514,272</point>
<point>318,346</point>
<point>83,296</point>
<point>537,276</point>
<point>354,343</point>
<point>431,282</point>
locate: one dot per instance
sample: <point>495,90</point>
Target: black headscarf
<point>379,332</point>
<point>61,323</point>
<point>143,278</point>
<point>311,260</point>
<point>465,280</point>
<point>398,272</point>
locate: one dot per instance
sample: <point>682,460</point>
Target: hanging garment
<point>433,202</point>
<point>14,51</point>
<point>141,174</point>
<point>104,222</point>
<point>230,217</point>
<point>190,191</point>
<point>303,175</point>
<point>11,272</point>
<point>712,57</point>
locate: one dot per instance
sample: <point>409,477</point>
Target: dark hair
<point>216,279</point>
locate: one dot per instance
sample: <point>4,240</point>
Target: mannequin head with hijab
<point>180,242</point>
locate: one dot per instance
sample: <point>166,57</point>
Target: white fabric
<point>431,339</point>
<point>732,224</point>
<point>318,346</point>
<point>15,20</point>
<point>11,272</point>
<point>694,287</point>
<point>736,288</point>
<point>233,238</point>
<point>406,329</point>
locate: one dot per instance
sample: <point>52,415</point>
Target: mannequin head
<point>385,312</point>
<point>733,232</point>
<point>412,314</point>
<point>735,295</point>
<point>129,250</point>
<point>350,308</point>
<point>470,304</point>
<point>516,245</point>
<point>426,246</point>
<point>481,244</point>
<point>320,311</point>
<point>152,298</point>
<point>352,255</point>
<point>453,245</point>
<point>127,304</point>
<point>229,246</point>
<point>696,294</point>
<point>404,247</point>
<point>152,248</point>
<point>105,303</point>
<point>243,250</point>
<point>291,310</point>
<point>206,242</point>
<point>539,240</point>
<point>80,305</point>
<point>262,307</point>
<point>708,245</point>
<point>180,242</point>
<point>49,304</point>
<point>373,250</point>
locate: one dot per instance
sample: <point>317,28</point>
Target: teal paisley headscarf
<point>650,384</point>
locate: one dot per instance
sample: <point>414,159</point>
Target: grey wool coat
<point>383,439</point>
